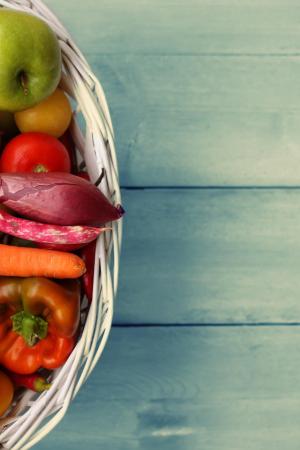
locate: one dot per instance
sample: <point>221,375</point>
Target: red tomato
<point>35,152</point>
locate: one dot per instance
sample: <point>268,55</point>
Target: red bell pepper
<point>38,322</point>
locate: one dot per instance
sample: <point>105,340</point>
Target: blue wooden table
<point>205,100</point>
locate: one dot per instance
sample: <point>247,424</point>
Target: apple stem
<point>24,82</point>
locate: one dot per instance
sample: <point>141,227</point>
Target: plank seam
<point>193,54</point>
<point>213,187</point>
<point>206,325</point>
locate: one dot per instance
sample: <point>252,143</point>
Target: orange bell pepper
<point>38,322</point>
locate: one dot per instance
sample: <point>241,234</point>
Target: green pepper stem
<point>41,385</point>
<point>31,328</point>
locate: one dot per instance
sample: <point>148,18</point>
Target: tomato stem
<point>40,168</point>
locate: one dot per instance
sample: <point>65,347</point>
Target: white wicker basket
<point>33,416</point>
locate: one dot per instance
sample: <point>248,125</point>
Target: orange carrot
<point>36,262</point>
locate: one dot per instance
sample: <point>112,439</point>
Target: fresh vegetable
<point>34,381</point>
<point>58,304</point>
<point>6,393</point>
<point>38,322</point>
<point>36,262</point>
<point>35,152</point>
<point>47,234</point>
<point>88,255</point>
<point>55,198</point>
<point>52,115</point>
<point>50,352</point>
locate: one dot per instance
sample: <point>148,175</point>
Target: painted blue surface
<point>189,388</point>
<point>204,97</point>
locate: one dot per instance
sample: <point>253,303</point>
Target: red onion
<point>57,198</point>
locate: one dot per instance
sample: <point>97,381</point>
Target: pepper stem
<point>41,385</point>
<point>31,328</point>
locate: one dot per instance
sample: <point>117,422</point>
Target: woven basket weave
<point>32,416</point>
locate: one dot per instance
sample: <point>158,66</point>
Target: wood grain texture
<point>201,93</point>
<point>201,388</point>
<point>183,26</point>
<point>210,256</point>
<point>196,121</point>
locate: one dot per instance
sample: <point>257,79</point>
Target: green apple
<point>30,60</point>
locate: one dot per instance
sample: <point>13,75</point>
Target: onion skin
<point>56,198</point>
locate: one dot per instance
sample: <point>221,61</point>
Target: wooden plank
<point>205,83</point>
<point>173,389</point>
<point>179,26</point>
<point>210,256</point>
<point>190,121</point>
<point>182,119</point>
